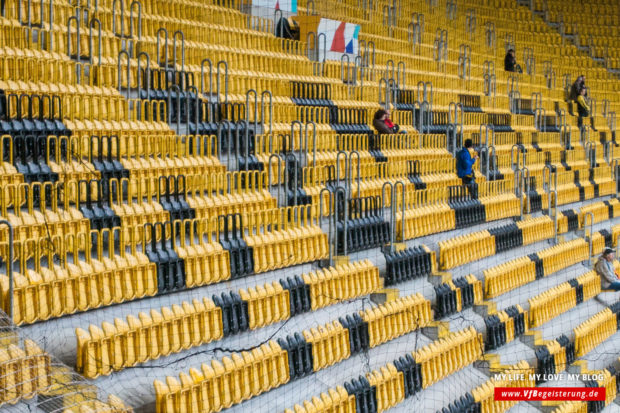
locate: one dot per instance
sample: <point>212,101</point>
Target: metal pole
<point>585,224</point>
<point>330,232</point>
<point>393,211</point>
<point>555,217</point>
<point>9,267</point>
<point>402,185</point>
<point>345,217</point>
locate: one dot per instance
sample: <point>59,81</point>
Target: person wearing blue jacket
<point>464,163</point>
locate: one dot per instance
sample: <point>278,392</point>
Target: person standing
<point>583,110</point>
<point>464,163</point>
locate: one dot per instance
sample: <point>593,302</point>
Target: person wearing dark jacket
<point>510,61</point>
<point>575,89</point>
<point>383,124</point>
<point>464,163</point>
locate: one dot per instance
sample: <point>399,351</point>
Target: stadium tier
<point>261,205</point>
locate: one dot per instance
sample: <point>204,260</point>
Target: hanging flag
<point>341,37</point>
<point>351,32</point>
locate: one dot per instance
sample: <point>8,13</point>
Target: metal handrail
<point>330,232</point>
<point>403,209</point>
<point>9,267</point>
<point>345,216</point>
<point>313,124</point>
<point>589,235</point>
<point>278,158</point>
<point>555,215</point>
<point>224,64</point>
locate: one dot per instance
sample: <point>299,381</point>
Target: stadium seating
<point>515,273</point>
<point>559,299</point>
<point>175,174</point>
<point>407,375</point>
<point>304,353</point>
<point>30,373</point>
<point>593,331</point>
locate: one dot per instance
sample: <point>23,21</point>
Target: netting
<point>269,205</point>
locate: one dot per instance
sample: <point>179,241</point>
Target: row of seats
<point>29,373</point>
<point>572,407</point>
<point>459,211</point>
<point>573,219</point>
<point>554,356</point>
<point>118,345</point>
<point>145,283</point>
<point>113,405</point>
<point>596,329</point>
<point>298,238</point>
<point>471,247</point>
<point>609,382</point>
<point>506,277</point>
<point>457,295</point>
<point>396,318</point>
<point>395,382</point>
<point>601,211</point>
<point>482,398</point>
<point>136,156</point>
<point>303,353</point>
<point>505,326</point>
<point>574,187</point>
<point>85,291</point>
<point>462,217</point>
<point>559,299</point>
<point>24,371</point>
<point>294,237</point>
<point>332,285</point>
<point>146,337</point>
<point>62,282</point>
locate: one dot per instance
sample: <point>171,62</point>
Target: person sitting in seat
<point>510,62</point>
<point>605,269</point>
<point>383,124</point>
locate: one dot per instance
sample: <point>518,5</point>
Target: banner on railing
<point>284,5</point>
<point>341,37</point>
